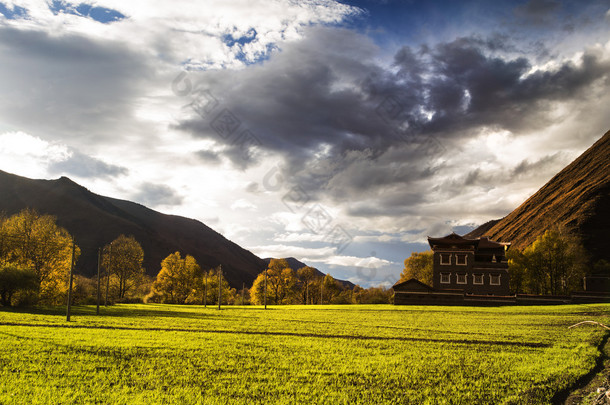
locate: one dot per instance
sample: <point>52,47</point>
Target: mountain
<point>297,264</point>
<point>578,198</point>
<point>95,220</point>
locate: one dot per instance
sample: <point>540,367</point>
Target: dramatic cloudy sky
<point>340,133</point>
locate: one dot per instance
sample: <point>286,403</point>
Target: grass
<point>296,354</point>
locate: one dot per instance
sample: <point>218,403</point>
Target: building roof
<point>454,239</point>
<point>412,284</point>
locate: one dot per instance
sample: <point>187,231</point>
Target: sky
<point>339,133</point>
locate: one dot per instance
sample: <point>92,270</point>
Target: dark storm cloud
<point>153,195</point>
<point>81,165</point>
<point>67,84</point>
<point>317,103</point>
<point>537,9</point>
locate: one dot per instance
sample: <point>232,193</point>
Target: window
<point>460,260</point>
<point>477,279</point>
<point>461,278</point>
<point>445,258</point>
<point>494,279</point>
<point>445,278</point>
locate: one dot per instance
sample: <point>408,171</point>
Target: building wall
<point>457,270</point>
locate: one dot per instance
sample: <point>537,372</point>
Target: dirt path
<point>595,389</point>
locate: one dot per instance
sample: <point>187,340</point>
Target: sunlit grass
<point>295,354</point>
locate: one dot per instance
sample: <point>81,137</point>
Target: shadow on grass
<point>286,334</point>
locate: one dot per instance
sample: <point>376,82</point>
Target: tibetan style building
<point>475,272</point>
<point>475,266</point>
<point>473,269</point>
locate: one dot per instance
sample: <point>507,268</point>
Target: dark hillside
<point>95,220</point>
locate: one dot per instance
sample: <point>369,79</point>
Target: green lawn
<point>295,354</point>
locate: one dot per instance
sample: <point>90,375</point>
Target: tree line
<point>36,255</point>
<point>554,264</point>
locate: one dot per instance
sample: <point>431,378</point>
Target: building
<point>474,266</point>
<point>468,271</point>
<point>465,271</point>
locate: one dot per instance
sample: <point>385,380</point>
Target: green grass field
<point>295,354</point>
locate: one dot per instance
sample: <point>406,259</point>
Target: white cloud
<point>298,252</point>
<point>200,33</point>
<point>243,204</point>
<point>352,261</point>
<point>27,155</point>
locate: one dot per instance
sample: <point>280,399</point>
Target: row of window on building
<point>460,259</point>
<point>477,278</point>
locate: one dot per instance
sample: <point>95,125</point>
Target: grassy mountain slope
<point>578,198</point>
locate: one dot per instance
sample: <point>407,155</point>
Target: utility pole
<point>321,289</point>
<point>265,288</point>
<point>108,273</point>
<point>219,285</point>
<point>69,307</point>
<point>243,291</point>
<point>205,294</point>
<point>99,265</point>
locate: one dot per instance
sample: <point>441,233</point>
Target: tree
<point>177,279</point>
<point>257,291</point>
<point>331,289</point>
<point>372,295</point>
<point>228,293</point>
<point>281,281</point>
<point>419,266</point>
<point>281,284</point>
<point>306,275</point>
<point>517,271</point>
<point>123,259</point>
<point>554,264</point>
<point>14,279</point>
<point>35,242</point>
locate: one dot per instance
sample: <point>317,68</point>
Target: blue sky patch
<point>14,13</point>
<point>100,14</point>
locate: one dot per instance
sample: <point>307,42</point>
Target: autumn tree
<point>281,281</point>
<point>257,291</point>
<point>306,275</point>
<point>371,295</point>
<point>517,265</point>
<point>33,241</point>
<point>228,293</point>
<point>13,280</point>
<point>177,279</point>
<point>281,284</point>
<point>331,290</point>
<point>123,259</point>
<point>418,266</point>
<point>554,264</point>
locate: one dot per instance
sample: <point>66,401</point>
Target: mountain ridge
<point>578,198</point>
<point>96,220</point>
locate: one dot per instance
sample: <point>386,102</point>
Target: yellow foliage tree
<point>554,263</point>
<point>177,279</point>
<point>306,275</point>
<point>35,242</point>
<point>123,259</point>
<point>418,266</point>
<point>281,284</point>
